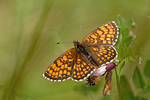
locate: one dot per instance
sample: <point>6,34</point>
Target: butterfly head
<point>76,43</point>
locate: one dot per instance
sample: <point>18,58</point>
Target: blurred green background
<point>29,30</point>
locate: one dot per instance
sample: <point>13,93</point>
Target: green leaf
<point>122,51</point>
<point>138,79</point>
<point>129,22</point>
<point>131,58</point>
<point>127,40</point>
<point>130,54</point>
<point>129,51</point>
<point>124,24</point>
<point>125,32</point>
<point>121,21</point>
<point>147,69</point>
<point>146,90</point>
<point>126,92</point>
<point>141,98</point>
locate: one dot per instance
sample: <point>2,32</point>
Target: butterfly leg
<point>97,75</point>
<point>92,80</point>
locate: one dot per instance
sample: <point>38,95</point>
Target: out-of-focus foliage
<point>29,30</point>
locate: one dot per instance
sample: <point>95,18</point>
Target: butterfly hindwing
<point>82,68</point>
<point>103,53</point>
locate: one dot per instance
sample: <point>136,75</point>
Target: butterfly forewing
<point>106,34</point>
<point>61,69</point>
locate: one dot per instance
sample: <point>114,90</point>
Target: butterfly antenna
<point>80,30</point>
<point>64,42</point>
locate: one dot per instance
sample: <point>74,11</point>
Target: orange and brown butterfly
<point>78,63</point>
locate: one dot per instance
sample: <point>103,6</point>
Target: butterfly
<point>78,63</point>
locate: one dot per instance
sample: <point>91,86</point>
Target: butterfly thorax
<point>81,50</point>
<point>79,47</point>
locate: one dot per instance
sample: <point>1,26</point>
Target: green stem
<point>117,81</point>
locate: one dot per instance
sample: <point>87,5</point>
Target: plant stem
<point>117,81</point>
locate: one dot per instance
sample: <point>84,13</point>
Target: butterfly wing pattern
<point>81,69</point>
<point>103,54</point>
<point>76,63</point>
<point>61,68</point>
<point>106,34</point>
<point>69,65</point>
<point>100,42</point>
